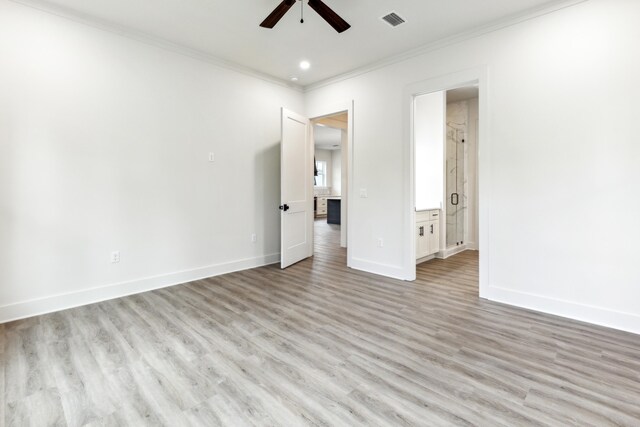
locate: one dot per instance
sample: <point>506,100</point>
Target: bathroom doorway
<point>446,139</point>
<point>445,177</point>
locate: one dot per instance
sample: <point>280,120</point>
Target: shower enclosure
<point>456,179</point>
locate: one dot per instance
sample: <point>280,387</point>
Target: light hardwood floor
<point>317,344</point>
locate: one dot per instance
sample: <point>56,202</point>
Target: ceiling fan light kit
<point>325,12</point>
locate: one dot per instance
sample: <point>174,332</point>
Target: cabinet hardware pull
<point>431,228</point>
<point>422,230</point>
<point>284,207</point>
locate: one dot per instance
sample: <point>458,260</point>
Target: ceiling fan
<point>321,9</point>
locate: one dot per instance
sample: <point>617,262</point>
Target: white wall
<point>472,174</point>
<point>562,160</point>
<point>344,186</point>
<point>336,172</point>
<point>429,125</point>
<point>103,146</point>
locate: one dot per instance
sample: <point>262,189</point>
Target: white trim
<point>409,178</point>
<point>447,41</point>
<point>139,36</point>
<point>207,57</point>
<point>329,110</point>
<point>425,259</point>
<point>387,270</point>
<point>571,310</point>
<point>454,250</point>
<point>479,75</point>
<point>65,301</point>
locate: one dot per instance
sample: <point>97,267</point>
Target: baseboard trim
<point>585,313</point>
<point>454,250</point>
<point>425,259</point>
<point>387,270</point>
<point>36,307</point>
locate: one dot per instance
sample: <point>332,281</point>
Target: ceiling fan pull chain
<point>302,11</point>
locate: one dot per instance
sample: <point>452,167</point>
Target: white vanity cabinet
<point>427,233</point>
<point>321,206</point>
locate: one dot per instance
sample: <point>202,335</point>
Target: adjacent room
<point>319,212</point>
<point>330,139</point>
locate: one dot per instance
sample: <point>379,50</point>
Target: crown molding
<point>181,49</point>
<point>447,41</point>
<point>159,42</point>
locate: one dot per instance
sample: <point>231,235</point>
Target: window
<point>321,179</point>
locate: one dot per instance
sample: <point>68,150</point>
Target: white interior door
<point>296,189</point>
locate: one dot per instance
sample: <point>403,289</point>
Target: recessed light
<point>305,65</point>
<point>294,79</point>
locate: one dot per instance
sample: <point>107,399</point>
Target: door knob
<point>284,207</point>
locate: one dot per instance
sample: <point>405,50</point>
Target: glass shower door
<point>456,199</point>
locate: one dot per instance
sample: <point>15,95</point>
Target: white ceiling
<point>228,29</point>
<point>462,94</point>
<point>327,138</point>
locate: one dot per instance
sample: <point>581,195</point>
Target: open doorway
<point>330,136</point>
<point>445,135</point>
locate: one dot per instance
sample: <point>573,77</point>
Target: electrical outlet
<point>115,257</point>
<point>363,193</point>
<point>380,242</point>
<point>212,157</point>
<point>254,238</point>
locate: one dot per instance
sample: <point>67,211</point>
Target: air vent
<point>393,19</point>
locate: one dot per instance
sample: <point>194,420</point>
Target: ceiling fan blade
<point>277,14</point>
<point>329,15</point>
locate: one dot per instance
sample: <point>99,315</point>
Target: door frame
<point>454,80</point>
<point>331,110</point>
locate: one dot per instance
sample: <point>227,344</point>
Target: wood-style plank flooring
<point>319,345</point>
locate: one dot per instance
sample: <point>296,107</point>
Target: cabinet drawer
<point>422,216</point>
<point>432,215</point>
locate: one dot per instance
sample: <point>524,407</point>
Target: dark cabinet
<point>333,211</point>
